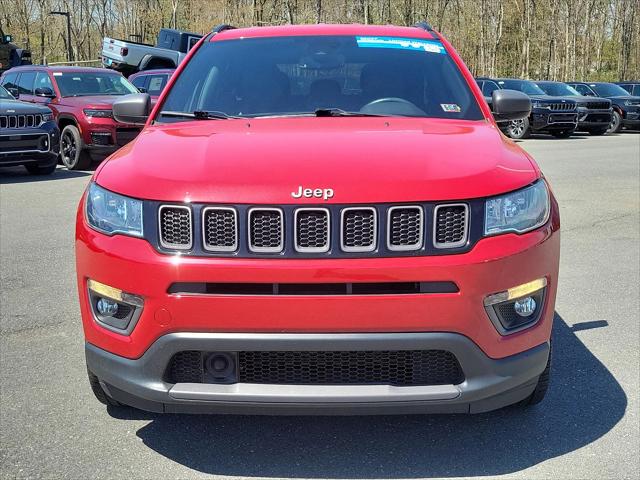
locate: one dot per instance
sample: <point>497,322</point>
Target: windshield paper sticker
<point>450,107</point>
<point>416,44</point>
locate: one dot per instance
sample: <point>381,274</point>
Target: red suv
<point>319,219</point>
<point>81,100</point>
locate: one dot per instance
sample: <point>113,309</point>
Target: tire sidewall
<point>618,126</point>
<point>74,133</point>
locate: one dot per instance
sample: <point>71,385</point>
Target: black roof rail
<point>222,27</point>
<point>424,26</point>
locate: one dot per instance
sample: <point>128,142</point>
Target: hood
<point>622,98</point>
<point>90,101</point>
<point>16,106</point>
<point>361,159</point>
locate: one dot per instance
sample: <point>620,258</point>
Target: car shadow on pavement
<point>584,402</point>
<point>10,175</point>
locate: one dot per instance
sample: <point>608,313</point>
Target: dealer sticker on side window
<point>450,107</point>
<point>415,44</point>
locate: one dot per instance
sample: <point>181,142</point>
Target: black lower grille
<point>398,367</point>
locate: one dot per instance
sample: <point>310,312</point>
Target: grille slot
<point>405,228</point>
<point>175,227</point>
<point>20,121</point>
<point>450,225</point>
<point>220,229</point>
<point>312,230</point>
<point>359,229</point>
<point>561,107</point>
<point>395,367</point>
<point>266,230</point>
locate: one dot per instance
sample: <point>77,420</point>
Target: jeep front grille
<point>220,229</point>
<point>21,121</point>
<point>562,107</point>
<point>312,230</point>
<point>405,228</point>
<point>598,105</point>
<point>266,230</point>
<point>359,229</point>
<point>175,227</point>
<point>450,225</point>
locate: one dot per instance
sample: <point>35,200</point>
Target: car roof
<point>323,29</point>
<point>63,68</point>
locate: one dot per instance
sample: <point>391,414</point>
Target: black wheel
<point>72,153</point>
<point>519,129</point>
<point>541,388</point>
<point>598,131</point>
<point>562,133</point>
<point>35,169</point>
<point>616,123</point>
<point>100,394</point>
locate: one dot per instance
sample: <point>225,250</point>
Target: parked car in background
<point>81,100</point>
<point>594,114</point>
<point>633,87</point>
<point>626,107</point>
<point>129,57</point>
<point>29,135</point>
<point>10,54</point>
<point>151,81</point>
<point>488,86</point>
<point>557,116</point>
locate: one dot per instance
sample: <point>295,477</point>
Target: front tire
<point>616,123</point>
<point>519,129</point>
<point>99,392</point>
<point>72,151</point>
<point>35,169</point>
<point>541,387</point>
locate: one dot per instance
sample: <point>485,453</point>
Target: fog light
<point>525,307</point>
<point>107,307</point>
<point>220,367</point>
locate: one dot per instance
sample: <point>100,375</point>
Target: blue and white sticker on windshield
<point>415,44</point>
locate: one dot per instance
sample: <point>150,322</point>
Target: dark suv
<point>81,100</point>
<point>594,114</point>
<point>28,135</point>
<point>633,87</point>
<point>557,116</point>
<point>626,107</point>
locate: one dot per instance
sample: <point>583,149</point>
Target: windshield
<point>559,89</point>
<point>4,94</point>
<point>299,75</point>
<point>524,86</point>
<point>609,90</point>
<point>80,84</point>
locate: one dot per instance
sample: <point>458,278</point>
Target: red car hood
<point>362,160</point>
<point>93,101</point>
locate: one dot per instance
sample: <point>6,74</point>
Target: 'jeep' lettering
<point>324,193</point>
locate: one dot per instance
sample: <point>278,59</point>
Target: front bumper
<point>544,120</point>
<point>30,145</point>
<point>594,118</point>
<point>103,136</point>
<point>489,383</point>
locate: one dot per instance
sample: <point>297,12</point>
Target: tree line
<point>550,39</point>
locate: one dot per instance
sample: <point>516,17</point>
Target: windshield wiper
<point>338,112</point>
<point>198,115</point>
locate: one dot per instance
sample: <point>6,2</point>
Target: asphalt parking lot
<point>588,427</point>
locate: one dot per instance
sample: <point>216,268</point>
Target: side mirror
<point>45,92</point>
<point>132,109</point>
<point>13,91</point>
<point>510,105</point>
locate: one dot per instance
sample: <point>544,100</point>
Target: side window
<point>156,84</point>
<point>139,82</point>
<point>10,80</point>
<point>584,90</point>
<point>43,81</point>
<point>25,83</point>
<point>488,88</point>
<point>636,90</point>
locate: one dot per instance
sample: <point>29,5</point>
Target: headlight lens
<point>47,117</point>
<point>89,112</point>
<point>519,211</point>
<point>111,213</point>
<point>539,105</point>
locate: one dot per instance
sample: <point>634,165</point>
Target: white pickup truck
<point>129,57</point>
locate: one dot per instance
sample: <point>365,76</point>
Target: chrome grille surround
<point>226,232</point>
<point>21,121</point>
<point>349,234</point>
<point>451,227</point>
<point>306,236</point>
<point>275,230</point>
<point>402,228</point>
<point>182,226</point>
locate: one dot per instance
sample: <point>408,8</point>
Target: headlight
<point>519,211</point>
<point>111,213</point>
<point>47,117</point>
<point>89,112</point>
<point>540,105</point>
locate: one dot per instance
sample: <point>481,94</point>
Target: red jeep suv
<point>81,100</point>
<point>319,219</point>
